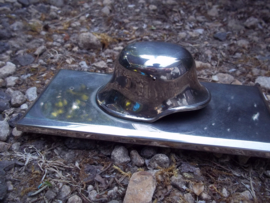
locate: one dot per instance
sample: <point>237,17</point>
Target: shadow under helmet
<point>152,80</point>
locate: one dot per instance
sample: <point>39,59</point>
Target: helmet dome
<point>152,80</point>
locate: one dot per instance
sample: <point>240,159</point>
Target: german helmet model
<point>152,80</point>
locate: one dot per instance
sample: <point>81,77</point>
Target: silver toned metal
<point>152,80</point>
<point>236,120</point>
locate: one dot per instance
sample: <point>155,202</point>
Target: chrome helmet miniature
<point>152,80</point>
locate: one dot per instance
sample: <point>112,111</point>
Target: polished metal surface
<point>236,120</point>
<point>152,80</point>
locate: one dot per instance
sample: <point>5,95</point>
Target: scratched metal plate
<point>236,121</point>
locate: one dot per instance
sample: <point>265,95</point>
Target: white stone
<point>7,70</point>
<point>92,195</point>
<point>88,41</point>
<point>11,81</point>
<point>83,65</point>
<point>100,64</point>
<point>16,133</point>
<point>202,65</point>
<point>223,78</point>
<point>74,199</point>
<point>64,192</point>
<point>263,81</point>
<point>40,50</point>
<point>107,2</point>
<point>182,35</point>
<point>4,132</point>
<point>153,7</point>
<point>9,186</point>
<point>224,192</point>
<point>31,93</point>
<point>120,155</point>
<point>141,188</point>
<point>105,10</point>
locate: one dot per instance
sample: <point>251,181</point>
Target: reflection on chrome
<point>152,80</point>
<point>159,61</point>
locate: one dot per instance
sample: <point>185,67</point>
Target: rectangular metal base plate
<point>236,121</point>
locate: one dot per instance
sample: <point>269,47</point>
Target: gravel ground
<point>230,41</point>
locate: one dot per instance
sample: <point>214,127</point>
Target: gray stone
<point>57,3</point>
<point>17,26</point>
<point>5,95</point>
<point>16,133</point>
<point>235,25</point>
<point>5,9</point>
<point>7,70</point>
<point>267,173</point>
<point>256,71</point>
<point>221,36</point>
<point>2,83</point>
<point>136,159</point>
<point>246,194</point>
<point>75,199</point>
<point>100,65</point>
<point>159,160</point>
<point>14,119</point>
<point>3,47</point>
<point>11,81</point>
<point>251,23</point>
<point>120,155</point>
<point>17,98</point>
<point>213,11</point>
<point>16,146</point>
<point>4,105</point>
<point>24,2</point>
<point>263,81</point>
<point>88,41</point>
<point>187,168</point>
<point>5,34</point>
<point>105,10</point>
<point>3,186</point>
<point>4,146</point>
<point>243,43</point>
<point>113,192</point>
<point>179,182</point>
<point>50,195</point>
<point>223,78</point>
<point>4,132</point>
<point>189,198</point>
<point>25,59</point>
<point>40,50</point>
<point>114,201</point>
<point>148,151</point>
<point>31,93</point>
<point>64,192</point>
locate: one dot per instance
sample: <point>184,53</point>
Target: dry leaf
<point>198,188</point>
